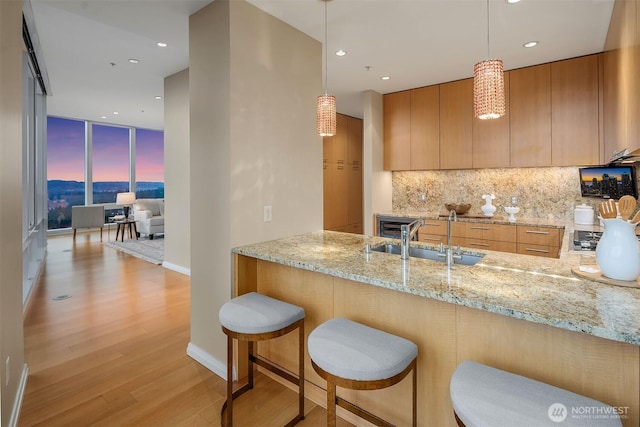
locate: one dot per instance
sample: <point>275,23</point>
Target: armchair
<point>87,217</point>
<point>149,213</point>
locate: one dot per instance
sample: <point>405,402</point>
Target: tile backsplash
<point>548,193</point>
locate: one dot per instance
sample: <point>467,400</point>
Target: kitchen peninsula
<point>524,314</point>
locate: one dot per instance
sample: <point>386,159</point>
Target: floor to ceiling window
<point>89,163</point>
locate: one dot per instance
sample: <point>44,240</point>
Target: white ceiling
<point>415,42</point>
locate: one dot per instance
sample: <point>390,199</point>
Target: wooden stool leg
<point>301,371</point>
<point>250,363</point>
<point>229,381</point>
<point>415,395</point>
<point>331,404</point>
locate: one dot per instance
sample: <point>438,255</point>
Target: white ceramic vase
<point>488,209</point>
<point>618,250</point>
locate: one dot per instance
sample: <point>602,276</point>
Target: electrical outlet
<point>514,200</point>
<point>267,214</point>
<point>7,370</point>
<point>423,197</point>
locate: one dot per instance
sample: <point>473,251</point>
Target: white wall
<point>253,86</point>
<point>177,251</point>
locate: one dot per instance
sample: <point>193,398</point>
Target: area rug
<point>143,248</point>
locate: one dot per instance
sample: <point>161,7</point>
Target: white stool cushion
<point>485,396</point>
<point>354,351</point>
<point>254,313</point>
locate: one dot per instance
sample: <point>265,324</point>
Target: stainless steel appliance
<point>585,240</point>
<point>389,226</point>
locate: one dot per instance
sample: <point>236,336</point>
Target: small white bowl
<point>512,211</point>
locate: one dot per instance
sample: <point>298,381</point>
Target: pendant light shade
<point>326,115</point>
<point>488,85</point>
<point>488,89</point>
<point>326,109</point>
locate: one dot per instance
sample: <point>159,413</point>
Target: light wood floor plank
<point>114,353</point>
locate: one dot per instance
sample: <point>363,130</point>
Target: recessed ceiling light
<point>513,1</point>
<point>134,60</point>
<point>385,78</point>
<point>103,117</point>
<point>161,44</point>
<point>532,43</point>
<point>115,113</point>
<point>158,97</point>
<point>341,53</point>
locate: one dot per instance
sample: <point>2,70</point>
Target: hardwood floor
<point>105,340</point>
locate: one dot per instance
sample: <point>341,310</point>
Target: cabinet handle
<point>431,225</point>
<point>340,167</point>
<point>480,228</point>
<point>536,250</point>
<point>479,244</point>
<point>340,162</point>
<point>430,239</point>
<point>536,232</point>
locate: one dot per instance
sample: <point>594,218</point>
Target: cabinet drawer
<point>439,227</point>
<point>435,240</point>
<point>539,235</point>
<point>495,232</point>
<point>490,245</point>
<point>539,250</point>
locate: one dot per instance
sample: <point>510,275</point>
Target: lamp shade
<point>488,89</point>
<point>326,115</point>
<point>125,199</point>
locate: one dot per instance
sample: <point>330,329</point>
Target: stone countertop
<point>537,289</point>
<point>496,219</point>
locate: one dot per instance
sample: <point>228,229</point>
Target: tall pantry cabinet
<point>342,172</point>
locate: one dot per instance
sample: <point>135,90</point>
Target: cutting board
<point>599,277</point>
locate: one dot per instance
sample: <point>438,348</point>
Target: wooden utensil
<point>636,218</point>
<point>626,206</point>
<point>608,209</point>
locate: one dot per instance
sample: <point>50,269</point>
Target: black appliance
<point>389,226</point>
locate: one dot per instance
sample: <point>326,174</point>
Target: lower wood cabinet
<point>521,239</point>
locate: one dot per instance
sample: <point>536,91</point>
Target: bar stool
<point>255,317</point>
<point>486,396</point>
<point>351,355</point>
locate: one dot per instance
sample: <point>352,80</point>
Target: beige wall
<point>377,181</point>
<point>176,172</point>
<point>11,331</point>
<point>253,87</point>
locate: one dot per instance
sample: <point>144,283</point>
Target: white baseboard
<point>176,267</point>
<point>208,361</point>
<point>17,404</point>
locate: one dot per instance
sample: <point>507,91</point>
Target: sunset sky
<point>65,152</point>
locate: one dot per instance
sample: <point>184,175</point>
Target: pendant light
<point>488,85</point>
<point>326,110</point>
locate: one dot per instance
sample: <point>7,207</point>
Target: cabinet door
<point>355,194</point>
<point>491,138</point>
<point>340,194</point>
<point>397,130</point>
<point>545,236</point>
<point>354,142</point>
<point>494,232</point>
<point>530,116</point>
<point>328,206</point>
<point>574,112</point>
<point>425,128</point>
<point>456,122</point>
<point>340,140</point>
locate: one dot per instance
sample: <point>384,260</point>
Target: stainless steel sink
<point>467,258</point>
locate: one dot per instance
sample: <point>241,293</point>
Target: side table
<point>122,226</point>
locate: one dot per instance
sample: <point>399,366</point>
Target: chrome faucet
<point>407,231</point>
<point>453,217</point>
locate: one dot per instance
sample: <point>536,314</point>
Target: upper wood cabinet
<point>425,128</point>
<point>334,148</point>
<point>530,116</point>
<point>456,124</point>
<point>575,138</point>
<point>491,137</point>
<point>397,131</point>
